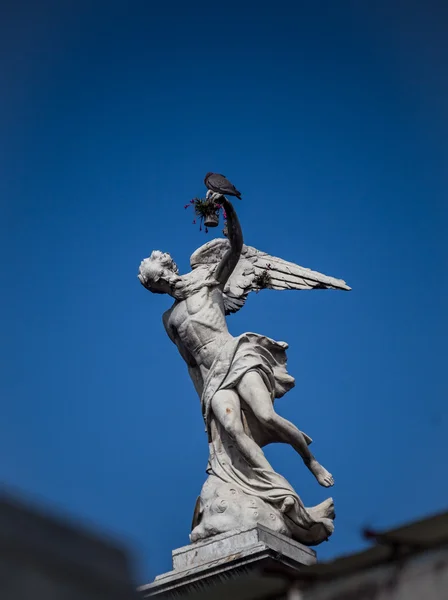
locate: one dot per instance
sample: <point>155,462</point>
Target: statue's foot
<point>322,475</point>
<point>324,510</point>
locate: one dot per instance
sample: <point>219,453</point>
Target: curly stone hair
<point>164,259</point>
<point>151,268</point>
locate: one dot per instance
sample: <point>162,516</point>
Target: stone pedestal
<point>240,565</point>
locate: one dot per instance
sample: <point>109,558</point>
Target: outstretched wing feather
<point>282,275</point>
<point>283,272</point>
<point>210,253</point>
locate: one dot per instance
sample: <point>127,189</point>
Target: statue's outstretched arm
<point>235,235</point>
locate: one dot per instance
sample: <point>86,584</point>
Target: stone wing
<point>257,270</point>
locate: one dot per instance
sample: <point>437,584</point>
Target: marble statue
<point>237,380</point>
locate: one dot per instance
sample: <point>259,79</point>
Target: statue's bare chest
<point>193,306</point>
<point>199,313</point>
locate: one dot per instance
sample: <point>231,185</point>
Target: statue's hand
<point>212,196</point>
<point>218,199</point>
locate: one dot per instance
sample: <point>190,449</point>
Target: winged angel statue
<point>237,380</point>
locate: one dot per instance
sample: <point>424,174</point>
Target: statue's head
<point>159,273</point>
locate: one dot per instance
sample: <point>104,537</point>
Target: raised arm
<point>235,235</point>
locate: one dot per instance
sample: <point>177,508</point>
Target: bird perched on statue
<point>220,185</point>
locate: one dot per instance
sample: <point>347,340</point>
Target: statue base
<point>233,565</point>
<point>223,507</point>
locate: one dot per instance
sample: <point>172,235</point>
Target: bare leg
<point>226,409</point>
<point>253,391</point>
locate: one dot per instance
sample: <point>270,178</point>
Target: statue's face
<point>159,275</point>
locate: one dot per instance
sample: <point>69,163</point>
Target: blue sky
<point>331,118</point>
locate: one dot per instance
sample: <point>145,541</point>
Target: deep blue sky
<point>331,117</point>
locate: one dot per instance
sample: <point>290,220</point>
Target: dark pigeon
<point>219,184</point>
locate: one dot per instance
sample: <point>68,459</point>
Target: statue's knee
<point>233,427</point>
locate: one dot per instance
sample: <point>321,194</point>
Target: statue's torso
<point>200,325</point>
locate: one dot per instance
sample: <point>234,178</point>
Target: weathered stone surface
<point>225,507</point>
<point>238,557</point>
<point>237,380</point>
<point>225,545</point>
<point>407,563</point>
